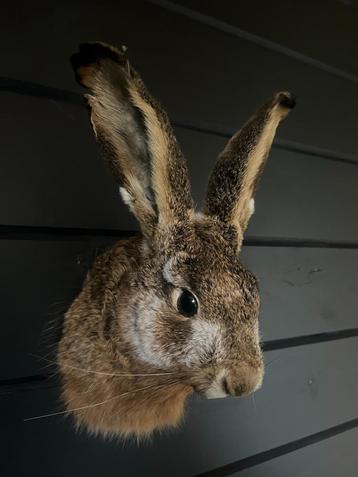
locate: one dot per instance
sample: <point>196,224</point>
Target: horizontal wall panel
<point>299,195</point>
<point>51,172</point>
<point>207,76</point>
<point>58,178</point>
<point>330,458</point>
<point>335,44</point>
<point>40,279</point>
<point>303,291</point>
<point>305,390</point>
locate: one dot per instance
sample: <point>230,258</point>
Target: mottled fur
<point>128,358</point>
<point>234,178</point>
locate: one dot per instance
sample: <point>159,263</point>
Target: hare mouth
<point>226,383</point>
<point>214,388</point>
<point>212,392</point>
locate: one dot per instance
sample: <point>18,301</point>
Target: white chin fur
<point>216,390</point>
<point>215,394</point>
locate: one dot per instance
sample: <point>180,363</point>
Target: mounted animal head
<point>172,311</point>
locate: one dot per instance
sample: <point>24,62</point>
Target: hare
<point>171,311</point>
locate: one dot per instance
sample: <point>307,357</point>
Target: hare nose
<point>225,386</point>
<point>238,382</point>
<point>245,383</point>
<point>233,390</point>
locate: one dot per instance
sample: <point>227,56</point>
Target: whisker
<point>154,388</point>
<point>272,361</point>
<point>103,373</point>
<point>254,402</point>
<point>90,406</point>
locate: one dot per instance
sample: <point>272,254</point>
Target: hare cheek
<point>205,342</point>
<point>143,333</point>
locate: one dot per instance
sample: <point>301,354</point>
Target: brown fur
<point>128,358</point>
<point>237,170</point>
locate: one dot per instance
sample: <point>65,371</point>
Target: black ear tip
<point>93,52</point>
<point>287,100</point>
<point>76,62</point>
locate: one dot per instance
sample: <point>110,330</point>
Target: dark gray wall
<point>211,64</point>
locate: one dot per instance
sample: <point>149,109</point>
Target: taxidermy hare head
<point>171,311</point>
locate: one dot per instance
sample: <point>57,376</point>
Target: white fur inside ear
<point>145,247</point>
<point>125,196</point>
<point>127,199</point>
<point>251,206</point>
<point>200,216</point>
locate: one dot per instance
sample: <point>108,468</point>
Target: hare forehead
<point>204,273</point>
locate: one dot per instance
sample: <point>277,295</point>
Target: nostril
<point>241,381</point>
<point>225,385</point>
<point>239,390</point>
<point>236,390</point>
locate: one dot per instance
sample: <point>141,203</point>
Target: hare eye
<point>187,304</point>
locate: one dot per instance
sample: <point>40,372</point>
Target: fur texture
<point>128,357</point>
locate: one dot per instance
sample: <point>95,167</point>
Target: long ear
<point>136,136</point>
<point>234,179</point>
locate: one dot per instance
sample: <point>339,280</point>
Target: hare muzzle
<point>240,382</point>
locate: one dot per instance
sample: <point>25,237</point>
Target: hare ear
<point>136,136</point>
<point>233,181</point>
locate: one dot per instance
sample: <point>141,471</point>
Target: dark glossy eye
<point>187,304</point>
